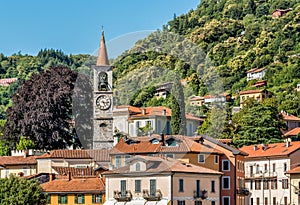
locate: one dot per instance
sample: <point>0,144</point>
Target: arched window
<point>137,167</point>
<point>102,125</point>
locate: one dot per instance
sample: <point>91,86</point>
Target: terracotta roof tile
<point>250,92</point>
<point>82,185</point>
<point>17,160</point>
<point>296,170</point>
<point>89,171</point>
<point>293,132</point>
<point>159,165</point>
<point>99,155</point>
<point>276,149</point>
<point>67,154</point>
<point>289,117</point>
<point>256,70</point>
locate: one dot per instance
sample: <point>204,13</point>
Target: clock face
<point>103,102</point>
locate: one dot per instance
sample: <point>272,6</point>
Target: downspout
<point>234,185</point>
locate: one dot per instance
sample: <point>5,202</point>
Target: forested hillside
<point>235,35</point>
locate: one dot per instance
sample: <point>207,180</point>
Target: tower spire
<point>102,53</point>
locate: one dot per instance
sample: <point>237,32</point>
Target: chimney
<point>255,147</point>
<point>51,177</point>
<point>287,143</point>
<point>164,112</point>
<point>143,111</point>
<point>162,135</point>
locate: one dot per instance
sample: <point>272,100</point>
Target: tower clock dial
<point>103,102</point>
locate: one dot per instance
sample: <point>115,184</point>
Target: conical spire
<point>102,53</point>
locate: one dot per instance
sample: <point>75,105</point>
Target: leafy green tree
<point>147,129</point>
<point>258,123</point>
<point>20,191</point>
<point>25,143</point>
<point>42,110</point>
<point>178,119</point>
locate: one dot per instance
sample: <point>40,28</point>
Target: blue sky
<point>74,26</point>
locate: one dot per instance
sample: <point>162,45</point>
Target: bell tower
<point>103,100</point>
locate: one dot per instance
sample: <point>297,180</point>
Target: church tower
<point>103,100</point>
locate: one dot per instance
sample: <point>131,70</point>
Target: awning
<point>160,202</point>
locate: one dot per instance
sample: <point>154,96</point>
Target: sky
<point>74,26</point>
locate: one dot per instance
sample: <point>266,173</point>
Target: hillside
<point>217,43</point>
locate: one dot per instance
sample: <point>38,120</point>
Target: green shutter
<point>59,199</point>
<point>93,198</point>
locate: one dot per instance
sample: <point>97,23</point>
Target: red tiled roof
<point>196,98</point>
<point>17,160</point>
<point>256,70</point>
<point>144,145</point>
<point>67,154</point>
<point>160,165</point>
<point>296,170</point>
<point>7,81</point>
<point>99,155</point>
<point>89,171</point>
<point>293,132</point>
<point>250,92</point>
<point>276,149</point>
<point>289,117</point>
<point>80,185</point>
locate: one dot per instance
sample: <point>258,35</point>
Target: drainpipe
<point>234,181</point>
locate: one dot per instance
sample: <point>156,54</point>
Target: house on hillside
<point>290,120</point>
<point>82,190</point>
<point>294,175</point>
<point>149,180</point>
<point>266,169</point>
<point>258,95</point>
<point>256,73</point>
<point>130,120</point>
<point>163,90</point>
<point>209,100</point>
<point>7,81</point>
<point>280,12</point>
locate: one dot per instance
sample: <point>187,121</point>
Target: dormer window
<point>137,167</point>
<point>171,142</point>
<point>154,141</point>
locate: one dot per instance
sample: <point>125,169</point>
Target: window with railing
<point>123,188</point>
<point>137,186</point>
<point>152,187</point>
<point>285,183</point>
<point>257,184</point>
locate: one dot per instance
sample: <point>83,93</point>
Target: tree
<point>42,110</point>
<point>20,191</point>
<point>178,120</point>
<point>258,123</point>
<point>25,143</point>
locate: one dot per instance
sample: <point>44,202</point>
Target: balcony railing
<point>122,197</point>
<point>259,175</point>
<point>243,191</point>
<point>201,194</point>
<point>152,197</point>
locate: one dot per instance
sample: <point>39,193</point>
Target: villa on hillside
<point>256,73</point>
<point>258,95</point>
<point>280,12</point>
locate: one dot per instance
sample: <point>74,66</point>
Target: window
<point>123,188</point>
<point>137,186</point>
<point>118,161</point>
<point>266,184</point>
<point>285,200</point>
<point>137,167</point>
<point>7,173</point>
<point>251,184</point>
<point>25,171</point>
<point>179,202</point>
<point>226,200</point>
<point>170,155</point>
<point>257,168</point>
<point>213,203</point>
<point>251,201</point>
<point>226,182</point>
<point>266,201</point>
<point>97,199</point>
<point>152,187</point>
<point>216,159</point>
<point>62,199</point>
<point>251,171</point>
<point>48,199</point>
<point>127,157</point>
<point>257,184</point>
<point>225,165</point>
<point>274,184</point>
<point>213,186</point>
<point>274,167</point>
<point>274,201</point>
<point>284,167</point>
<point>266,167</point>
<point>257,200</point>
<point>158,126</point>
<point>285,183</point>
<point>198,187</point>
<point>201,158</point>
<point>79,199</point>
<point>198,203</point>
<point>180,185</point>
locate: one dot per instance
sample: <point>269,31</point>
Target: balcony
<point>122,197</point>
<point>200,194</point>
<point>152,197</point>
<point>243,191</point>
<point>260,175</point>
